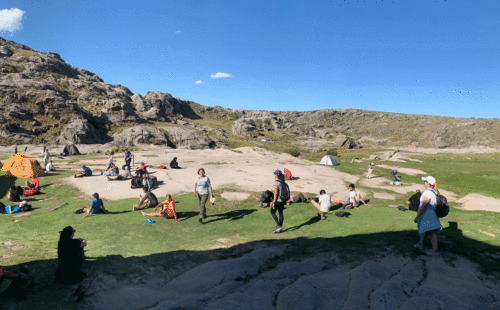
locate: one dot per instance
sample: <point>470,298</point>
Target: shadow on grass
<point>183,216</point>
<point>352,248</point>
<point>231,215</point>
<point>313,220</point>
<point>5,185</point>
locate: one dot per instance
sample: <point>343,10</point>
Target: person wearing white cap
<point>427,220</point>
<point>370,171</point>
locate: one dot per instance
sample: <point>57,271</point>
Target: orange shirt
<point>167,207</point>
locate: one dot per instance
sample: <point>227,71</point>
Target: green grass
<point>123,245</point>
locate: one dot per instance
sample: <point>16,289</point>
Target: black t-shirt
<point>152,198</point>
<point>69,255</point>
<point>414,201</point>
<point>174,164</point>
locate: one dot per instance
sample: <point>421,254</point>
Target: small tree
<point>294,152</point>
<point>332,152</point>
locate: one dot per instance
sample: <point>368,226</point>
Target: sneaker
<point>277,229</point>
<point>200,220</point>
<point>418,246</point>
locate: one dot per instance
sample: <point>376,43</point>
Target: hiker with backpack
<point>427,221</point>
<point>281,196</point>
<point>203,188</point>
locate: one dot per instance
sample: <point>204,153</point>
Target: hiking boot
<point>200,220</point>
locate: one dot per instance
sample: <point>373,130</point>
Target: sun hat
<point>278,172</point>
<point>430,180</point>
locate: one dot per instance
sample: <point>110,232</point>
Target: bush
<point>332,152</point>
<point>293,152</point>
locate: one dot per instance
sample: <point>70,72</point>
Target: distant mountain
<point>42,98</point>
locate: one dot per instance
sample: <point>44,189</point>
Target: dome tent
<point>328,160</point>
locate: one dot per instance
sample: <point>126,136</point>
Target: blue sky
<point>408,56</point>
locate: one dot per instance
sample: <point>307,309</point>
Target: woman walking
<point>281,196</point>
<point>203,188</point>
<point>427,220</point>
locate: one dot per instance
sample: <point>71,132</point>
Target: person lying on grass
<point>96,206</point>
<point>354,199</point>
<point>167,210</point>
<point>85,172</point>
<point>296,198</point>
<point>149,199</point>
<point>124,176</point>
<point>266,197</point>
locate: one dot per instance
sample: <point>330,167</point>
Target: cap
<point>429,179</point>
<point>372,164</point>
<point>278,172</point>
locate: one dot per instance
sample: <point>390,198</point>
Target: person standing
<point>15,150</point>
<point>203,187</point>
<point>127,158</point>
<point>370,171</point>
<point>281,196</point>
<point>46,156</point>
<point>427,221</point>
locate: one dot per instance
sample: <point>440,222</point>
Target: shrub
<point>332,152</point>
<point>294,152</point>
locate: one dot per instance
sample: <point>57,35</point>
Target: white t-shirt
<point>428,193</point>
<point>49,167</point>
<point>325,202</point>
<point>354,196</point>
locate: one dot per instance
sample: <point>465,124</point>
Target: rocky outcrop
<point>255,123</point>
<point>140,134</point>
<point>79,130</point>
<point>188,138</point>
<point>255,281</point>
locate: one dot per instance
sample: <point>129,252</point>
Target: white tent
<point>328,160</point>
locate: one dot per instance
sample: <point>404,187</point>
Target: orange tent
<point>22,167</point>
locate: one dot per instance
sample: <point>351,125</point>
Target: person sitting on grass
<point>50,167</point>
<point>33,184</point>
<point>149,199</point>
<point>124,176</point>
<point>112,171</point>
<point>70,257</point>
<point>96,206</point>
<point>266,197</point>
<point>354,199</point>
<point>167,210</point>
<point>323,205</point>
<point>14,194</point>
<point>85,172</point>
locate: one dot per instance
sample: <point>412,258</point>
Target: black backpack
<point>284,193</point>
<point>442,208</point>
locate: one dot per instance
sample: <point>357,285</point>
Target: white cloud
<point>198,82</point>
<point>178,31</point>
<point>220,75</point>
<point>10,20</point>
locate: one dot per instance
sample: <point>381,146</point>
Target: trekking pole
<point>80,295</point>
<point>79,288</point>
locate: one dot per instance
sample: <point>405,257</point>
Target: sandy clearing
<point>235,195</point>
<point>480,202</point>
<point>248,169</point>
<point>407,171</point>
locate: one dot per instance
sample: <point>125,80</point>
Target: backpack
<point>442,208</point>
<point>284,194</point>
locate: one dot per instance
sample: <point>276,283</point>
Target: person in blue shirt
<point>96,206</point>
<point>22,207</point>
<point>86,172</point>
<point>127,158</point>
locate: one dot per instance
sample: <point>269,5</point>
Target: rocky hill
<point>42,98</point>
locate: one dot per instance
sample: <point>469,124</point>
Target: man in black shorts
<point>149,197</point>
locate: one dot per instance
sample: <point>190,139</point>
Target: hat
<point>96,195</point>
<point>372,164</point>
<point>278,172</point>
<point>429,179</point>
<point>23,203</point>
